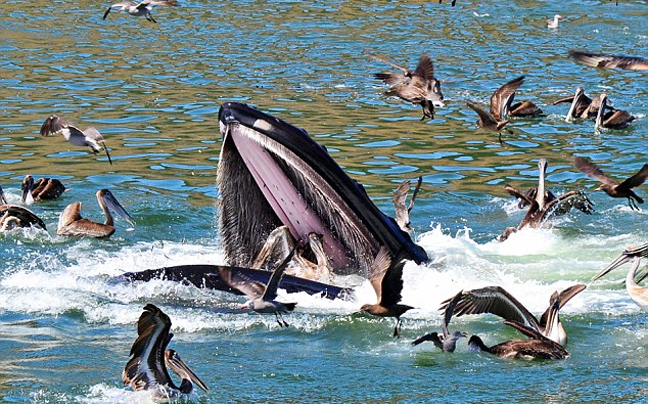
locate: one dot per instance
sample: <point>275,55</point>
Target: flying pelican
<point>615,119</point>
<point>552,23</point>
<point>387,281</point>
<point>446,342</point>
<point>610,61</point>
<point>140,9</point>
<point>261,297</point>
<point>150,358</point>
<point>499,106</point>
<point>637,293</point>
<point>89,137</point>
<point>496,300</point>
<point>419,87</point>
<point>402,211</point>
<point>611,187</point>
<point>44,188</point>
<point>72,224</point>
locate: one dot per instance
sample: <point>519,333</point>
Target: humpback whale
<point>272,174</point>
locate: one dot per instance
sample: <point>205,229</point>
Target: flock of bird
<point>150,359</point>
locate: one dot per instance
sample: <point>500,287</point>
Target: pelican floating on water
<point>140,9</point>
<point>615,119</point>
<point>637,293</point>
<point>419,87</point>
<point>150,358</point>
<point>43,189</point>
<point>89,137</point>
<point>610,61</point>
<point>72,224</point>
<point>610,186</point>
<point>446,342</point>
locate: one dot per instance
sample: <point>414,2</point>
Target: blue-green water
<point>154,91</point>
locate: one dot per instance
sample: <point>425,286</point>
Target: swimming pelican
<point>496,300</point>
<point>552,23</point>
<point>89,137</point>
<point>446,342</point>
<point>72,224</point>
<point>610,186</point>
<point>579,103</point>
<point>500,103</point>
<point>140,9</point>
<point>387,281</point>
<point>615,119</point>
<point>637,293</point>
<point>14,216</point>
<point>419,87</point>
<point>261,297</point>
<point>610,61</point>
<point>44,188</point>
<point>150,358</point>
<point>402,211</point>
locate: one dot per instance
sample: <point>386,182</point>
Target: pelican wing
<point>636,179</point>
<point>391,284</point>
<point>26,217</point>
<point>563,204</point>
<point>379,268</point>
<point>271,288</point>
<point>591,170</point>
<point>564,297</point>
<point>610,61</point>
<point>146,367</point>
<point>47,188</point>
<point>486,118</point>
<point>402,214</point>
<point>449,311</point>
<point>425,68</point>
<point>494,300</point>
<point>503,97</point>
<point>528,331</point>
<point>526,197</point>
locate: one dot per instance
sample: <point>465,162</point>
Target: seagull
<point>419,87</point>
<point>261,297</point>
<point>610,61</point>
<point>611,187</point>
<point>552,23</point>
<point>89,137</point>
<point>499,106</point>
<point>150,358</point>
<point>496,300</point>
<point>637,293</point>
<point>139,9</point>
<point>446,342</point>
<point>402,211</point>
<point>387,280</point>
<point>615,119</point>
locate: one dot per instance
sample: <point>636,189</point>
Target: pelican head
<point>107,200</point>
<point>27,187</point>
<point>575,103</point>
<point>599,116</point>
<point>620,260</point>
<point>177,365</point>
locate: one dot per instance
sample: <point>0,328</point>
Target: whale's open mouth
<point>273,174</point>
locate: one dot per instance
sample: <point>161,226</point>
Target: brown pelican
<point>637,293</point>
<point>610,61</point>
<point>402,211</point>
<point>72,224</point>
<point>580,104</point>
<point>496,300</point>
<point>552,23</point>
<point>543,204</point>
<point>44,188</point>
<point>150,358</point>
<point>446,342</point>
<point>89,137</point>
<point>387,281</point>
<point>537,347</point>
<point>615,119</point>
<point>611,187</point>
<point>419,87</point>
<point>261,297</point>
<point>500,103</point>
<point>140,9</point>
<point>14,216</point>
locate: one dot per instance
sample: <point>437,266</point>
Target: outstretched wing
<point>636,179</point>
<point>503,97</point>
<point>486,118</point>
<point>591,170</point>
<point>610,61</point>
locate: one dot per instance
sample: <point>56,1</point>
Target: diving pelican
<point>610,186</point>
<point>500,103</point>
<point>446,342</point>
<point>419,87</point>
<point>72,224</point>
<point>552,23</point>
<point>140,9</point>
<point>44,188</point>
<point>496,300</point>
<point>610,61</point>
<point>387,281</point>
<point>614,119</point>
<point>150,358</point>
<point>637,293</point>
<point>402,211</point>
<point>89,137</point>
<point>261,297</point>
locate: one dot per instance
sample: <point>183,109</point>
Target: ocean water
<point>154,91</point>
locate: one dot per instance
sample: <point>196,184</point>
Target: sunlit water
<point>154,91</point>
